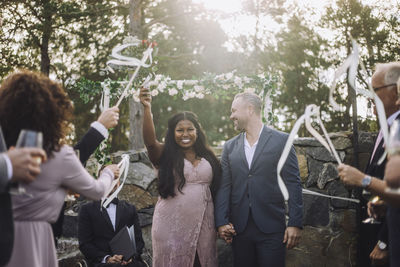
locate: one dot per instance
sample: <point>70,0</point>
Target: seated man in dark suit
<point>98,225</point>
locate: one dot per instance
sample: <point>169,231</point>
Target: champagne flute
<point>27,138</point>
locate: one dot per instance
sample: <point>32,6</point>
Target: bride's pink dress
<point>185,224</point>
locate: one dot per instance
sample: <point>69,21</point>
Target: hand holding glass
<point>28,138</point>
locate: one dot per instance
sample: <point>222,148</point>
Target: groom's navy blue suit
<point>251,200</point>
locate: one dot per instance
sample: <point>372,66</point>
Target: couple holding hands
<point>239,195</point>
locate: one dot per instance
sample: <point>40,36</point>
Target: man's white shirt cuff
<point>104,259</point>
<point>100,128</point>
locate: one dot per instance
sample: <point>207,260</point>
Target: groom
<point>249,206</point>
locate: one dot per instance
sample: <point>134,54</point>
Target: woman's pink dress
<point>33,237</point>
<point>185,224</point>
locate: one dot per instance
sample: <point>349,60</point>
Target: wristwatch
<point>366,181</point>
<point>382,245</point>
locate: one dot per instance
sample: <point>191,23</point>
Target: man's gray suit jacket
<point>257,188</point>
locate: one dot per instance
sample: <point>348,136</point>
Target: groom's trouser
<point>253,248</point>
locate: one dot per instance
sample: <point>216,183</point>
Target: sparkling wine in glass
<point>27,138</point>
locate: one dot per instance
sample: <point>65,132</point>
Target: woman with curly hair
<point>32,101</point>
<point>183,231</point>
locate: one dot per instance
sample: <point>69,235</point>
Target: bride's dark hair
<point>172,158</point>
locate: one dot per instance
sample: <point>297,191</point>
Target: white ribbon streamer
<point>123,166</point>
<point>105,97</point>
<point>380,110</point>
<point>121,60</point>
<point>311,110</point>
<point>146,55</point>
<point>309,192</point>
<point>350,63</point>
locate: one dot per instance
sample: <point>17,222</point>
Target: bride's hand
<point>145,97</point>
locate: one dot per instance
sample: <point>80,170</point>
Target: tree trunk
<point>135,109</point>
<point>44,48</point>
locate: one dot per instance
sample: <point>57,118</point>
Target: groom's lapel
<point>262,141</point>
<point>242,154</point>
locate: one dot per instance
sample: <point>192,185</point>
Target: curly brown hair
<point>30,100</point>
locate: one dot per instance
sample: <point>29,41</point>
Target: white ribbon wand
<point>130,61</point>
<point>123,166</point>
<point>351,63</point>
<point>311,110</point>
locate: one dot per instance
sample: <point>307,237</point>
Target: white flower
<point>198,88</point>
<point>179,84</point>
<point>185,98</point>
<point>172,91</point>
<point>136,98</point>
<point>246,79</point>
<point>225,86</point>
<point>154,92</point>
<point>200,95</point>
<point>229,75</point>
<point>250,90</point>
<point>219,77</point>
<point>162,86</point>
<point>191,82</point>
<point>131,40</point>
<point>169,108</point>
<point>238,82</point>
<point>158,78</point>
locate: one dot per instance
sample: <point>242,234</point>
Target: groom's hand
<point>226,232</point>
<point>292,237</point>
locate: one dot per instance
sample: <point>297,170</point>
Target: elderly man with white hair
<point>384,82</point>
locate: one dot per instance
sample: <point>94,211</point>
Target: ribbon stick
<point>285,154</point>
<point>122,60</point>
<point>309,192</point>
<point>123,165</point>
<point>351,64</point>
<point>311,110</point>
<point>146,55</point>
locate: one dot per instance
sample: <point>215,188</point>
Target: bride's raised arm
<point>154,147</point>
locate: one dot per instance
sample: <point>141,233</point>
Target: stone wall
<point>329,237</point>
